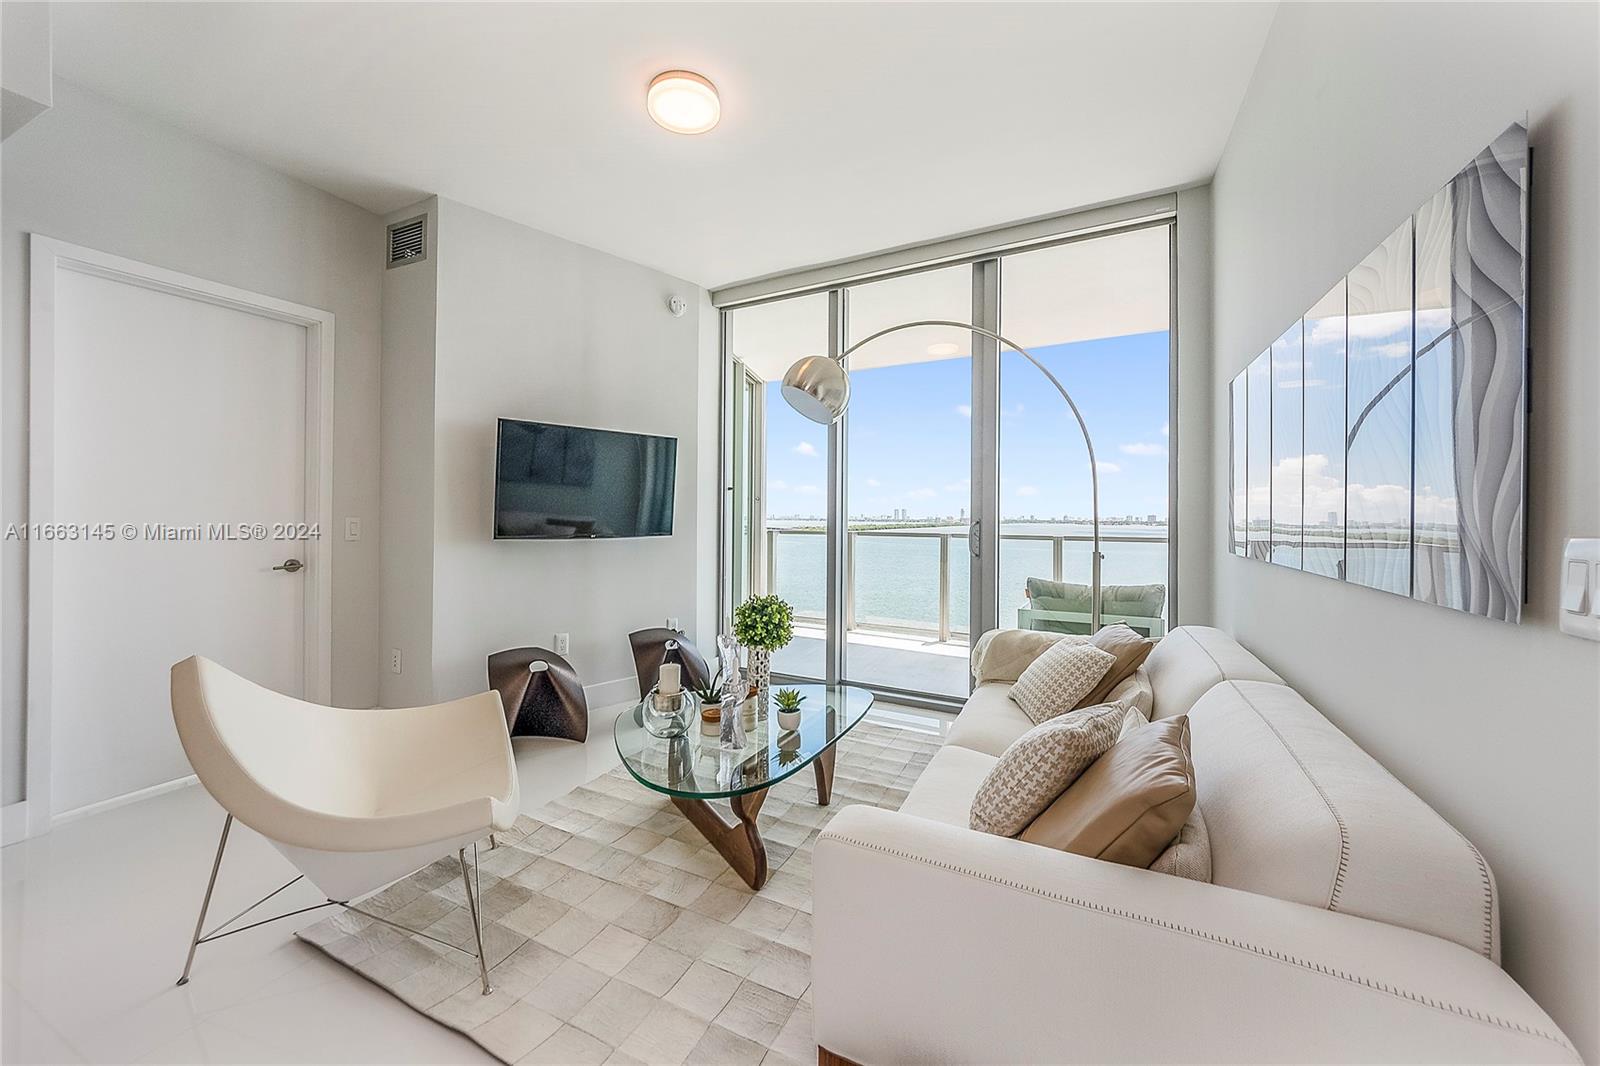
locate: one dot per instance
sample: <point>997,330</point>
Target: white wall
<point>532,326</point>
<point>89,172</point>
<point>410,298</point>
<point>1356,114</point>
<point>1189,435</point>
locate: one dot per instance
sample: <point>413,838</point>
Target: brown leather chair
<point>541,693</point>
<point>652,647</point>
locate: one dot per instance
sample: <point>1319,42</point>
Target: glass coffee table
<point>692,770</point>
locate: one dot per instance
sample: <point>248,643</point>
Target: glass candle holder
<point>668,714</point>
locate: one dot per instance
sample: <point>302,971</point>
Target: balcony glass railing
<point>915,581</point>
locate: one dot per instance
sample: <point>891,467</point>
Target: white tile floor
<point>97,916</point>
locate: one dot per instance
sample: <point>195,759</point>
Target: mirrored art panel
<point>1236,464</point>
<point>1258,457</point>
<point>1382,439</point>
<point>1378,418</point>
<point>1288,442</point>
<point>1323,462</point>
<point>1470,388</point>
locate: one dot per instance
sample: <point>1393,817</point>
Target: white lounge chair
<point>354,799</point>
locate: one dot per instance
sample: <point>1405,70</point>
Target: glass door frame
<point>984,528</point>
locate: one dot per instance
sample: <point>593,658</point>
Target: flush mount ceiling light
<point>683,102</point>
<point>943,348</point>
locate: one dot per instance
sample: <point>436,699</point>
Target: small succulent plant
<point>711,693</point>
<point>788,699</point>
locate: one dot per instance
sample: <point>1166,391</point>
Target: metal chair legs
<point>474,904</point>
<point>472,882</point>
<point>205,904</point>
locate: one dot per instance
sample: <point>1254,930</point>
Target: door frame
<point>47,258</point>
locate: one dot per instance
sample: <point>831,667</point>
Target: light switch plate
<point>1578,598</point>
<point>352,529</point>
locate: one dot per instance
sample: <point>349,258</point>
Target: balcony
<point>906,602</point>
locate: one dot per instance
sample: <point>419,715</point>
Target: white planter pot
<point>788,719</point>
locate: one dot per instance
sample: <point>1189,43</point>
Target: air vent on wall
<point>408,241</point>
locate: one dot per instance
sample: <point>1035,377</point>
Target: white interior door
<point>182,422</point>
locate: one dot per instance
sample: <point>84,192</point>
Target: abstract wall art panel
<point>1288,446</point>
<point>1237,421</point>
<point>1258,457</point>
<point>1323,465</point>
<point>1378,420</point>
<point>1382,439</point>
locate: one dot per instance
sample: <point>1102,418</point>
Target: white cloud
<point>964,410</point>
<point>921,494</point>
<point>805,447</point>
<point>1027,490</point>
<point>807,490</point>
<point>1107,468</point>
<point>873,483</point>
<point>1142,448</point>
<point>777,485</point>
<point>958,486</point>
<point>1165,429</point>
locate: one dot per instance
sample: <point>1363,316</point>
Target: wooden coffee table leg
<point>824,767</point>
<point>737,841</point>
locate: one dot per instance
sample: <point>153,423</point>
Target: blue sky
<point>910,436</point>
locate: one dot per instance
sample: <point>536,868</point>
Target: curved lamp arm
<point>1088,442</point>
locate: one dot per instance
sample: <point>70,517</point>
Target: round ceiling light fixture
<point>944,348</point>
<point>683,102</point>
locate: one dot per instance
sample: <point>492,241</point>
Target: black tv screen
<point>571,483</point>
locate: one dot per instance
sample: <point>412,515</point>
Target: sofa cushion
<point>1296,810</point>
<point>1190,659</point>
<point>1130,804</point>
<point>1190,855</point>
<point>1059,679</point>
<point>1040,766</point>
<point>944,791</point>
<point>989,721</point>
<point>1130,650</point>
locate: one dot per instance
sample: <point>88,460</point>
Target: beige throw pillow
<point>1190,855</point>
<point>1002,654</point>
<point>1058,680</point>
<point>1038,765</point>
<point>1130,650</point>
<point>1129,805</point>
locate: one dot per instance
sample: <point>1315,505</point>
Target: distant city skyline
<point>910,438</point>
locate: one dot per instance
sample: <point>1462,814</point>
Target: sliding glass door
<point>777,491</point>
<point>908,489</point>
<point>959,495</point>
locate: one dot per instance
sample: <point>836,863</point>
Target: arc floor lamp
<point>818,387</point>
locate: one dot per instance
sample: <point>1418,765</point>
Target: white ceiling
<point>846,128</point>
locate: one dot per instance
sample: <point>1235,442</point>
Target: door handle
<point>291,565</point>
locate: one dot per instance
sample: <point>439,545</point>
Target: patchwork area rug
<point>617,934</point>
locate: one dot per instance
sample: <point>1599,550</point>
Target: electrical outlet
<point>672,623</point>
<point>352,529</point>
<point>394,660</point>
<point>563,643</point>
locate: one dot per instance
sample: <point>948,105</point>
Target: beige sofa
<point>1346,920</point>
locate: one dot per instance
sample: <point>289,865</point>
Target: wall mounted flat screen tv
<point>571,483</point>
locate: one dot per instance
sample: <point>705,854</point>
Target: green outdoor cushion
<point>1139,601</point>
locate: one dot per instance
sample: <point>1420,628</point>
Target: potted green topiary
<point>763,624</point>
<point>788,701</point>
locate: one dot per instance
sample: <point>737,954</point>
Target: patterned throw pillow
<point>1040,764</point>
<point>1058,680</point>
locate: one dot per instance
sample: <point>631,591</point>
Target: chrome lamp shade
<point>818,388</point>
